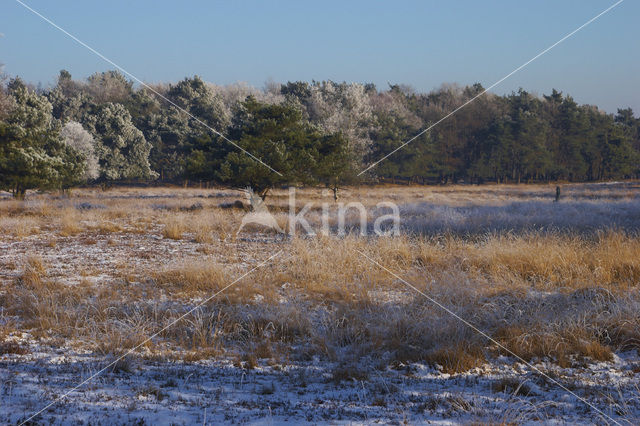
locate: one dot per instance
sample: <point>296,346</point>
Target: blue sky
<point>420,43</point>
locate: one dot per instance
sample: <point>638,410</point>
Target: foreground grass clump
<point>192,277</point>
<point>173,229</point>
<point>559,346</point>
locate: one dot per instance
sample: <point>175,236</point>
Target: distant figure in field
<point>557,194</point>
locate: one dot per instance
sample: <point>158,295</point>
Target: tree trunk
<point>19,192</point>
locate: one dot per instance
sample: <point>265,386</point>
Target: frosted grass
<point>575,216</point>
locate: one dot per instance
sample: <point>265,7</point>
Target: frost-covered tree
<point>343,108</point>
<point>196,97</point>
<point>393,105</point>
<point>6,101</point>
<point>122,150</point>
<point>174,133</point>
<point>67,86</point>
<point>72,99</point>
<point>76,137</point>
<point>25,161</point>
<point>233,95</point>
<point>32,154</point>
<point>109,86</point>
<point>31,113</point>
<point>70,108</point>
<point>337,108</point>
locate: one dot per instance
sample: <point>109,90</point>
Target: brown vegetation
<point>567,297</point>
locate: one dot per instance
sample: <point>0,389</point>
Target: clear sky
<point>419,43</point>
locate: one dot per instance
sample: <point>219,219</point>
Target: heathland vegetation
<point>137,280</point>
<point>105,130</point>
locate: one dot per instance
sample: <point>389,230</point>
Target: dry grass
<point>174,228</point>
<point>20,226</point>
<point>192,278</point>
<point>106,227</point>
<point>34,273</point>
<point>70,222</point>
<point>457,359</point>
<point>204,226</point>
<point>611,259</point>
<point>568,297</point>
<point>558,346</point>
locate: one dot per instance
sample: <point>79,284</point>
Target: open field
<point>321,333</point>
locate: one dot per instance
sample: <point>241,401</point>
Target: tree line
<point>104,130</point>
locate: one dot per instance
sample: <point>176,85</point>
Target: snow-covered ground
<point>212,392</point>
